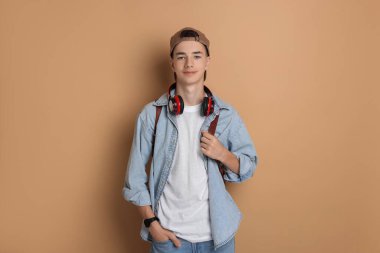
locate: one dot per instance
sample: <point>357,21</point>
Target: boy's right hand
<point>161,234</point>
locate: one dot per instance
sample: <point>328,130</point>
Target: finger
<point>205,140</point>
<point>204,145</point>
<point>175,240</point>
<point>207,134</point>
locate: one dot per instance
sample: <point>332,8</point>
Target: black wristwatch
<point>150,220</point>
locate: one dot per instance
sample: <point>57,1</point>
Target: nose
<point>189,63</point>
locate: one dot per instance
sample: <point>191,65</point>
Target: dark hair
<point>190,33</point>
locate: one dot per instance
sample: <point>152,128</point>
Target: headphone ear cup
<point>171,105</point>
<point>182,105</point>
<point>176,105</point>
<point>205,106</point>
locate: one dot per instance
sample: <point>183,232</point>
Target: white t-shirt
<point>183,206</point>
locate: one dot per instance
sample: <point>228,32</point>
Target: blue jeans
<point>189,247</point>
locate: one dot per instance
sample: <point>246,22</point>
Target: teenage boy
<point>197,142</point>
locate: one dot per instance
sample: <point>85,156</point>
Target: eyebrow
<point>196,52</point>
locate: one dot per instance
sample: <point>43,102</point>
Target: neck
<point>192,94</point>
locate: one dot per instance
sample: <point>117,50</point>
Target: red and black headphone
<point>176,104</point>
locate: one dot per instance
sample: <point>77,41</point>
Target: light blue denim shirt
<point>231,132</point>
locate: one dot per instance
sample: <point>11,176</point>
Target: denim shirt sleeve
<point>135,188</point>
<point>242,146</point>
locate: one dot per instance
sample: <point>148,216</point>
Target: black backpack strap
<point>158,112</point>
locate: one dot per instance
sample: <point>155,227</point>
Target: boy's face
<point>189,61</point>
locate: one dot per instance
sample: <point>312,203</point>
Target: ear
<point>208,59</point>
<point>171,63</point>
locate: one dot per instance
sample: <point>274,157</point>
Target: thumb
<point>175,240</point>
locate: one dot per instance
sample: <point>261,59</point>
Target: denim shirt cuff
<point>247,165</point>
<point>141,198</point>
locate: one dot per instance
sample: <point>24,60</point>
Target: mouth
<point>189,72</point>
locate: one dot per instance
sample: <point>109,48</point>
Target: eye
<point>198,56</point>
<point>179,58</point>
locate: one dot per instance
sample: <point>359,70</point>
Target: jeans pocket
<point>161,242</point>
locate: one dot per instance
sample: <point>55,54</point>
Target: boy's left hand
<point>211,146</point>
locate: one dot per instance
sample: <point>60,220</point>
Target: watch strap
<point>148,221</point>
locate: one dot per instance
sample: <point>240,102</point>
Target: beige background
<point>303,75</point>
